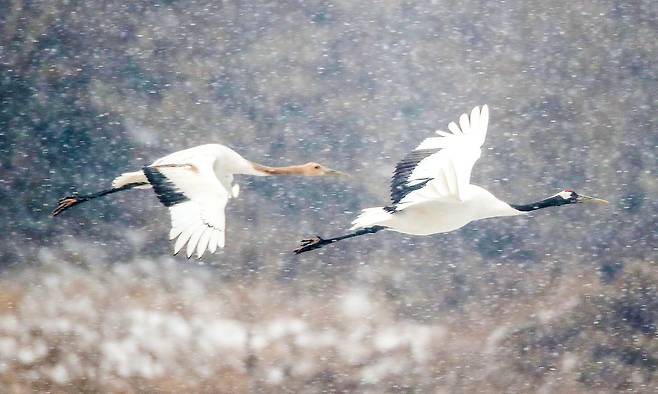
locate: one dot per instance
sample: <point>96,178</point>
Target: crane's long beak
<point>337,173</point>
<point>589,199</point>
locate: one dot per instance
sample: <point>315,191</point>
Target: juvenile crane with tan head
<point>195,184</point>
<point>431,190</point>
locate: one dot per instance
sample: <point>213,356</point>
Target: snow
<point>562,300</point>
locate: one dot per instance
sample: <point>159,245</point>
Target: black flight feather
<point>167,192</point>
<point>400,185</point>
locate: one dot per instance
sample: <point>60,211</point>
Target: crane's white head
<point>569,196</point>
<point>317,169</point>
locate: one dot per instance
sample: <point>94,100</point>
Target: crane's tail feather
<point>368,217</point>
<point>129,178</point>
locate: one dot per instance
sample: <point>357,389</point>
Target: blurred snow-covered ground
<point>161,325</point>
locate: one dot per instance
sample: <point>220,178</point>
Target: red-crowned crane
<point>195,184</point>
<point>431,190</point>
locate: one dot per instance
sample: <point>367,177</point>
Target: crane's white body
<point>196,185</point>
<point>439,215</point>
<point>432,191</point>
<point>227,163</point>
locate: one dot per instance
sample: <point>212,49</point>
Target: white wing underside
<point>447,173</point>
<point>198,219</point>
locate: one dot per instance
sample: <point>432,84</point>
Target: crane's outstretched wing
<point>440,166</point>
<point>196,200</point>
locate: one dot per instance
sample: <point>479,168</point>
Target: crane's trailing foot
<point>312,243</point>
<point>317,242</point>
<point>67,202</point>
<point>70,201</point>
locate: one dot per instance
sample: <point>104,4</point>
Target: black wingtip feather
<point>403,170</point>
<point>166,190</point>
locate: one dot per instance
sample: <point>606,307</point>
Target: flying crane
<point>431,190</point>
<point>195,184</point>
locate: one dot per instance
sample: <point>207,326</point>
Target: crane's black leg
<point>69,201</point>
<point>317,242</point>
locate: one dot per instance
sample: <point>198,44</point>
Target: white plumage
<point>201,179</point>
<point>431,189</point>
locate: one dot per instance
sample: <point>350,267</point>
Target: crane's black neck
<point>553,201</point>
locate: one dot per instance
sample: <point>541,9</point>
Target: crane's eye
<point>573,197</point>
<point>317,167</point>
